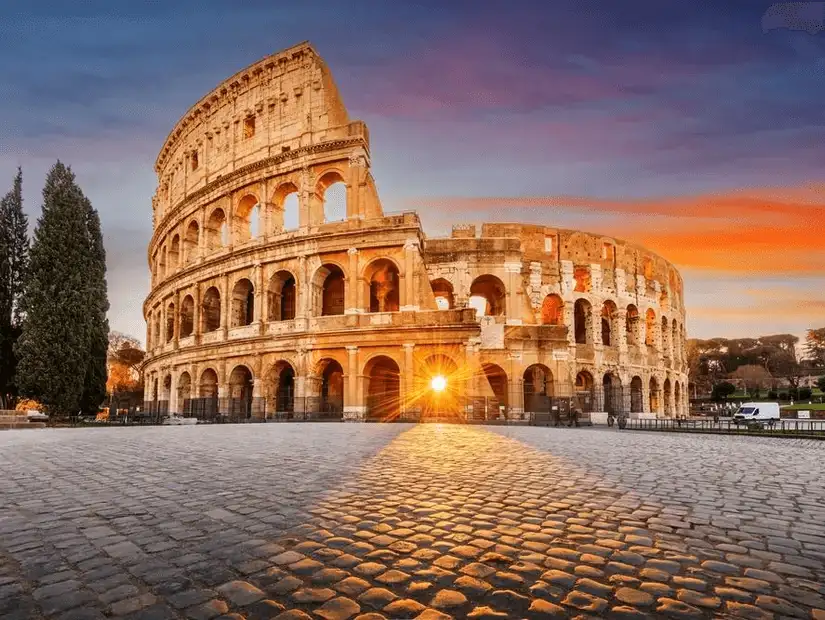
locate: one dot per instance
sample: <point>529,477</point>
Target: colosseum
<point>265,305</point>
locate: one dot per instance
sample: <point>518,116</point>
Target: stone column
<point>515,387</point>
<point>226,308</point>
<point>408,378</point>
<point>304,293</point>
<point>513,310</point>
<point>176,324</point>
<point>260,293</point>
<point>408,294</point>
<point>471,359</point>
<point>197,329</point>
<point>570,321</point>
<point>353,407</point>
<point>173,391</point>
<point>352,294</point>
<point>258,409</point>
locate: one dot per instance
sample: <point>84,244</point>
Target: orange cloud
<point>761,230</point>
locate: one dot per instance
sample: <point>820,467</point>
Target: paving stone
<point>634,597</point>
<point>130,605</point>
<point>377,598</point>
<point>585,602</point>
<point>207,610</point>
<point>404,608</point>
<point>240,592</point>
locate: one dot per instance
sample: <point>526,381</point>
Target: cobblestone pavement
<point>368,521</point>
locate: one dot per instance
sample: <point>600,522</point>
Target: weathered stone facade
<point>358,314</point>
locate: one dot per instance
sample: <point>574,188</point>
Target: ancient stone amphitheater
<point>264,306</point>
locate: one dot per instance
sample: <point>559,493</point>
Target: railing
<point>771,428</point>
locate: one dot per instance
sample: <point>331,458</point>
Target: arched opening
<point>281,389</point>
<point>282,295</point>
<point>333,193</point>
<point>584,391</point>
<point>383,388</point>
<point>170,322</point>
<point>653,395</point>
<point>583,323</point>
<point>666,397</point>
<point>384,286</point>
<point>675,343</point>
<point>174,253</point>
<point>445,401</point>
<point>487,296</point>
<point>166,394</point>
<point>552,310</point>
<point>187,316</point>
<point>211,310</point>
<point>612,392</point>
<point>184,399</point>
<point>217,231</point>
<point>677,398</point>
<point>497,380</point>
<point>632,325</point>
<point>636,395</point>
<point>246,224</point>
<point>608,320</point>
<point>162,262</point>
<point>538,388</point>
<point>240,393</point>
<point>208,393</point>
<point>650,327</point>
<point>328,290</point>
<point>286,210</point>
<point>243,303</point>
<point>443,291</point>
<point>332,387</point>
<point>191,241</point>
<point>581,275</point>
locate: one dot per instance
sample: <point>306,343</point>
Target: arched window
<point>174,253</point>
<point>383,388</point>
<point>247,219</point>
<point>667,395</point>
<point>328,286</point>
<point>217,231</point>
<point>332,386</point>
<point>282,297</point>
<point>332,188</point>
<point>664,333</point>
<point>612,393</point>
<point>280,388</point>
<point>538,388</point>
<point>583,324</point>
<point>184,396</point>
<point>552,310</point>
<point>240,393</point>
<point>286,214</point>
<point>187,316</point>
<point>170,322</point>
<point>497,382</point>
<point>608,320</point>
<point>211,310</point>
<point>632,325</point>
<point>384,286</point>
<point>581,275</point>
<point>584,396</point>
<point>243,303</point>
<point>636,395</point>
<point>487,296</point>
<point>443,291</point>
<point>162,262</point>
<point>650,327</point>
<point>191,241</point>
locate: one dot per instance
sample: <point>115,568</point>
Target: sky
<point>696,129</point>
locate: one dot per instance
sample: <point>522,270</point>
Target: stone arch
<point>191,242</point>
<point>538,388</point>
<point>174,253</point>
<point>608,323</point>
<point>170,322</point>
<point>216,230</point>
<point>612,393</point>
<point>282,296</point>
<point>650,327</point>
<point>184,397</point>
<point>584,391</point>
<point>331,392</point>
<point>187,316</point>
<point>632,323</point>
<point>552,310</point>
<point>636,395</point>
<point>582,278</point>
<point>287,208</point>
<point>497,381</point>
<point>280,388</point>
<point>434,403</point>
<point>382,387</point>
<point>329,289</point>
<point>246,219</point>
<point>211,310</point>
<point>488,296</point>
<point>654,395</point>
<point>582,321</point>
<point>382,280</point>
<point>243,303</point>
<point>443,292</point>
<point>332,190</point>
<point>208,385</point>
<point>241,382</point>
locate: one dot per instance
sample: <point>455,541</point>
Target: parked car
<point>36,416</point>
<point>750,412</point>
<point>176,420</point>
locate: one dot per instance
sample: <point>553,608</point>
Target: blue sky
<point>469,103</point>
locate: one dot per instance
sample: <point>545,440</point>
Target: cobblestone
<point>382,521</point>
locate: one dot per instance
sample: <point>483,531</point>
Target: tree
<point>721,391</point>
<point>62,301</point>
<point>94,387</point>
<point>14,251</point>
<point>124,359</point>
<point>752,376</point>
<point>815,347</point>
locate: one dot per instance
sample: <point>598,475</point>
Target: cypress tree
<point>61,298</point>
<point>94,388</point>
<point>14,248</point>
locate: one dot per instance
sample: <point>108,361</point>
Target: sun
<point>438,383</point>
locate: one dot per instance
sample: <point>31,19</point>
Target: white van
<point>756,411</point>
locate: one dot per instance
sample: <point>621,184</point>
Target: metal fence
<point>783,427</point>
